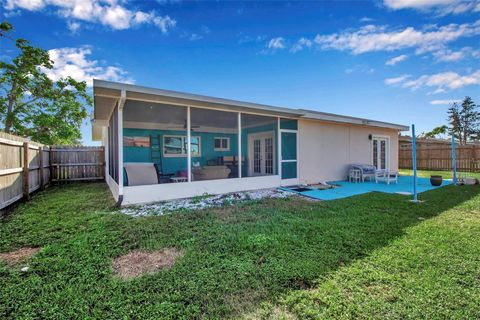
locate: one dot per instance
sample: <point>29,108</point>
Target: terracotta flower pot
<point>436,180</point>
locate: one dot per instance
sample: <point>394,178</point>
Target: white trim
<point>279,148</point>
<point>221,149</point>
<point>105,148</point>
<point>290,182</point>
<point>189,146</point>
<point>113,187</point>
<point>250,150</point>
<point>120,149</point>
<point>386,138</point>
<point>298,156</point>
<point>239,145</point>
<point>169,191</point>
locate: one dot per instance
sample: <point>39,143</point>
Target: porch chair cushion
<point>141,173</point>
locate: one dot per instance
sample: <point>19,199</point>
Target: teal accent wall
<point>174,164</point>
<point>171,165</point>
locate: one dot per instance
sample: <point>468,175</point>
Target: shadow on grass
<point>235,256</point>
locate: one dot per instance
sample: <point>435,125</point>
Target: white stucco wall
<point>326,149</point>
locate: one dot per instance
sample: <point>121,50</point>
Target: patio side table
<point>355,175</point>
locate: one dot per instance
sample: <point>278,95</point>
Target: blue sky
<point>399,61</point>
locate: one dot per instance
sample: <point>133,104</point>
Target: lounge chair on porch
<point>141,173</point>
<point>386,176</point>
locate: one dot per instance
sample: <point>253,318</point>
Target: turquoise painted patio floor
<point>348,189</point>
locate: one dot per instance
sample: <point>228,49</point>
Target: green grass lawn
<point>370,256</point>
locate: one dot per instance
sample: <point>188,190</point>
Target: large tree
<point>32,104</point>
<point>464,121</point>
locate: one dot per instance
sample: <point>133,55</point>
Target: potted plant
<point>436,180</point>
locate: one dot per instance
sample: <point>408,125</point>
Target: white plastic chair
<point>386,176</point>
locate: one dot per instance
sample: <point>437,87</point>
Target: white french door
<point>261,152</point>
<point>380,152</point>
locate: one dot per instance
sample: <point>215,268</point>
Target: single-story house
<point>205,145</point>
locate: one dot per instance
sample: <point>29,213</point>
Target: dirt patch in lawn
<point>139,262</point>
<point>14,257</point>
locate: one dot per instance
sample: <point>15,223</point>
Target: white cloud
<point>164,23</point>
<point>31,5</point>
<point>393,61</point>
<point>74,62</point>
<point>194,37</point>
<point>301,44</point>
<point>366,19</point>
<point>142,17</point>
<point>441,7</point>
<point>360,68</point>
<point>377,38</point>
<point>276,43</point>
<point>111,13</point>
<point>447,55</point>
<point>243,38</point>
<point>73,26</point>
<point>440,81</point>
<point>445,102</point>
<point>396,80</point>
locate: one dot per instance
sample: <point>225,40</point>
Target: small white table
<point>178,179</point>
<point>355,175</point>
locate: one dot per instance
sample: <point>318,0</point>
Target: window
<point>222,144</point>
<point>176,146</point>
<point>143,142</point>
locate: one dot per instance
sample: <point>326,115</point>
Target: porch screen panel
<point>157,133</point>
<point>290,124</point>
<point>259,145</point>
<point>289,146</point>
<point>218,149</point>
<point>289,170</point>
<point>289,155</point>
<point>113,145</point>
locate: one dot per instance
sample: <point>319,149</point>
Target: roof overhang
<point>107,94</point>
<point>330,117</point>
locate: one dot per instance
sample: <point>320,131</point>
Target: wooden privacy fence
<point>439,157</point>
<point>69,163</point>
<point>26,166</point>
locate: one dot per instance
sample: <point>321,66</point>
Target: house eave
<point>107,94</point>
<point>330,117</point>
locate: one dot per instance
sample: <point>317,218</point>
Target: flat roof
<point>106,93</point>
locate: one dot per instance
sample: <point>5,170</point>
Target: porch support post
<point>121,103</point>
<point>106,152</point>
<point>239,145</point>
<point>189,151</point>
<point>279,149</point>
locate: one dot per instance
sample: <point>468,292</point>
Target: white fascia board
<point>295,113</point>
<point>315,115</point>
